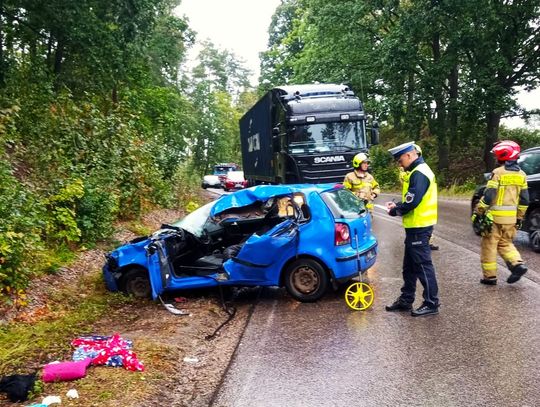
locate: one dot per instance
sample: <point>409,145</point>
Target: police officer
<point>361,182</point>
<point>419,214</point>
<point>505,198</point>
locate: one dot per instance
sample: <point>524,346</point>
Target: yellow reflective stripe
<point>500,195</point>
<point>511,179</point>
<point>489,266</point>
<point>347,184</point>
<point>523,207</point>
<point>504,214</point>
<point>369,206</point>
<point>492,184</point>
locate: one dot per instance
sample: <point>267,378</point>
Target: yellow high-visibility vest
<point>425,214</point>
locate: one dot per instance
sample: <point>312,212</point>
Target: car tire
<point>306,280</point>
<point>136,282</point>
<point>534,231</point>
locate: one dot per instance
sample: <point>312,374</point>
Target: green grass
<point>25,345</point>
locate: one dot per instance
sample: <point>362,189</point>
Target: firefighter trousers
<point>499,240</point>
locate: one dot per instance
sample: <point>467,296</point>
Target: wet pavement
<point>482,349</point>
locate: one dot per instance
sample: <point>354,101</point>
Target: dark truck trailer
<point>303,134</point>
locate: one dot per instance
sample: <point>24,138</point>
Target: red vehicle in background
<point>234,180</point>
<point>222,169</point>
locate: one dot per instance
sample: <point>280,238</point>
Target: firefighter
<point>361,182</point>
<point>418,210</point>
<point>502,208</point>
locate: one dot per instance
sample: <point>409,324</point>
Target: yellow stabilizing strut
<point>359,295</point>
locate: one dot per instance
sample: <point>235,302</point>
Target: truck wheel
<point>136,282</point>
<point>306,280</point>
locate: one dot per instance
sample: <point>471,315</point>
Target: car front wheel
<point>306,280</point>
<point>135,282</point>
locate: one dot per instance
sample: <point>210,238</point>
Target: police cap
<point>402,149</point>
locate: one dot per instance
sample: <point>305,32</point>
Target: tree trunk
<point>58,58</point>
<point>453,105</point>
<point>2,63</point>
<point>493,120</point>
<point>441,116</point>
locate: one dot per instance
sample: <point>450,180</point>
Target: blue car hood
<point>248,196</point>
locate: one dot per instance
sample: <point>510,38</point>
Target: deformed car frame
<point>304,237</point>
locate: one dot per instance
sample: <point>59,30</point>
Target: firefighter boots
<point>489,281</point>
<point>517,271</point>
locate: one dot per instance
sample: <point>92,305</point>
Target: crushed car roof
<point>248,196</point>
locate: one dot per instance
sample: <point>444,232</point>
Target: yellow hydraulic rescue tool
<point>359,295</point>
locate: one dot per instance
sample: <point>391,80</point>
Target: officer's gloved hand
<point>519,223</point>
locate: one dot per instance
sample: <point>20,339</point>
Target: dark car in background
<point>529,161</point>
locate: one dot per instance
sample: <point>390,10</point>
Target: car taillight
<point>341,234</point>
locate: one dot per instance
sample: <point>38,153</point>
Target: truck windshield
<point>325,137</point>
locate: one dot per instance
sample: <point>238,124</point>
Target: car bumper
<point>110,280</point>
<point>352,264</point>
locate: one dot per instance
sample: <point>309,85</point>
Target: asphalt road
<point>482,349</point>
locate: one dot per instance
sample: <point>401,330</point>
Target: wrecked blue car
<point>303,237</point>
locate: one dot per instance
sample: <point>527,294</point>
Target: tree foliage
<point>442,70</point>
<point>97,122</point>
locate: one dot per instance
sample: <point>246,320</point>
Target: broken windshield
<point>326,137</point>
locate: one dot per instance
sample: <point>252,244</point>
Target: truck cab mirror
<point>374,136</point>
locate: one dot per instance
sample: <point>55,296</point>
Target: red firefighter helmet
<point>506,150</point>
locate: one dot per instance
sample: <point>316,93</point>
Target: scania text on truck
<point>304,134</point>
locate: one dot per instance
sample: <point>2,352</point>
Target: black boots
<point>517,271</point>
<point>424,310</point>
<point>489,281</point>
<point>399,305</point>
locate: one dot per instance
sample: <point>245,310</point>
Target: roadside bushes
<point>69,169</point>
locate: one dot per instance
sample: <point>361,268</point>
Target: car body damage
<point>302,237</point>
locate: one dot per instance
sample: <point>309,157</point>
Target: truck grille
<point>323,173</point>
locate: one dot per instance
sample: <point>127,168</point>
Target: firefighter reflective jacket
<point>506,195</point>
<point>362,184</point>
<point>425,214</point>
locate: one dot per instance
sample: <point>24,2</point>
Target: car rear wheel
<point>534,232</point>
<point>135,282</point>
<point>306,280</point>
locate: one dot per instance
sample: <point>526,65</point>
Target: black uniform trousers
<point>417,264</point>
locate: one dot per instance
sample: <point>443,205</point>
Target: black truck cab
<point>303,134</point>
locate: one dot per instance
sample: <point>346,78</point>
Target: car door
<point>260,259</point>
<point>159,267</point>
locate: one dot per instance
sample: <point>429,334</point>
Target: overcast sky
<point>241,26</point>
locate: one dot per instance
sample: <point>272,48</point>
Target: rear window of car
<point>344,204</point>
